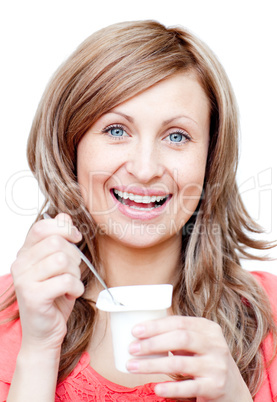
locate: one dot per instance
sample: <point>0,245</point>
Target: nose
<point>145,162</point>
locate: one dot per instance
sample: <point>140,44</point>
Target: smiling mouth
<point>140,202</point>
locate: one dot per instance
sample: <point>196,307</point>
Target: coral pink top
<point>85,384</point>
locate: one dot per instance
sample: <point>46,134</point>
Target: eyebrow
<point>126,116</point>
<point>165,122</point>
<point>180,117</point>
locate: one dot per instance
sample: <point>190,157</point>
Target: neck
<point>124,265</point>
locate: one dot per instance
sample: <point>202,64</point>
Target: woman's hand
<point>47,281</point>
<point>198,350</point>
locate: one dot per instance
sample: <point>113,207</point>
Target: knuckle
<point>54,242</point>
<point>14,268</point>
<point>183,338</point>
<point>20,252</point>
<point>68,280</point>
<point>73,285</point>
<point>220,385</point>
<point>181,322</point>
<point>225,352</point>
<point>176,365</point>
<point>81,288</point>
<point>26,294</point>
<point>220,375</point>
<point>61,259</point>
<point>148,346</point>
<point>37,228</point>
<point>176,388</point>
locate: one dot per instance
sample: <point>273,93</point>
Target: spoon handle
<point>91,267</point>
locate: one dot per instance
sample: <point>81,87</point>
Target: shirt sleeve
<point>268,390</point>
<point>4,390</point>
<point>10,341</point>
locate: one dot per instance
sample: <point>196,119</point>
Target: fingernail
<point>132,365</point>
<point>134,348</point>
<point>138,330</point>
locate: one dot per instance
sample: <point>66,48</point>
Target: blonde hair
<point>108,68</point>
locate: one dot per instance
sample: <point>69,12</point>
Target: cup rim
<point>105,303</point>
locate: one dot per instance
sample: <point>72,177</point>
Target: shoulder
<point>269,283</point>
<point>267,279</point>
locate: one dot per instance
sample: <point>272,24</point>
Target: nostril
<point>145,171</point>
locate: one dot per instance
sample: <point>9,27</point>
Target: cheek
<point>84,182</point>
<point>87,174</point>
<point>190,186</point>
<point>94,172</point>
<point>189,197</point>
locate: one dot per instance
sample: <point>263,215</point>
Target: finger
<point>54,265</point>
<point>51,245</point>
<point>183,389</point>
<point>181,341</point>
<point>196,324</point>
<point>61,285</point>
<point>185,365</point>
<point>62,217</point>
<point>60,226</point>
<point>38,297</point>
<point>34,256</point>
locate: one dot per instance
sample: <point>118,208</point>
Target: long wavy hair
<point>111,66</point>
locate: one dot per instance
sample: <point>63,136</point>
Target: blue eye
<point>176,137</point>
<point>116,132</point>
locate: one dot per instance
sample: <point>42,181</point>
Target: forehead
<point>179,94</point>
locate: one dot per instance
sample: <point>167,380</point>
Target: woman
<point>134,145</point>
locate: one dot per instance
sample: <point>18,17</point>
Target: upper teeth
<point>145,199</point>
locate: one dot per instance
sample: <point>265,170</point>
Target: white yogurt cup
<point>140,303</point>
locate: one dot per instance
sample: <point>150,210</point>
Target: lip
<point>137,214</point>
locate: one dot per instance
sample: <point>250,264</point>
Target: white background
<point>36,36</point>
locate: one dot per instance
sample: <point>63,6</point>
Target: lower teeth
<point>142,209</point>
<point>139,208</point>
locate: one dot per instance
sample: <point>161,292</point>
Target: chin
<point>138,240</point>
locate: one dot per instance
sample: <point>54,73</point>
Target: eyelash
<point>111,127</point>
<point>107,130</point>
<point>184,134</point>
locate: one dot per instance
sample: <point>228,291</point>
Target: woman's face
<point>141,166</point>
